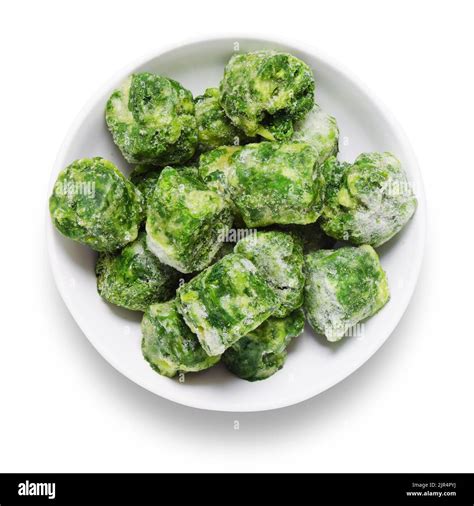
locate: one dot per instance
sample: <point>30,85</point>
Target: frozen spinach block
<point>279,260</point>
<point>264,92</point>
<point>275,183</point>
<point>225,302</point>
<point>214,127</point>
<point>93,203</point>
<point>186,221</point>
<point>145,177</point>
<point>134,278</point>
<point>262,352</point>
<point>367,202</point>
<point>168,345</point>
<point>343,287</point>
<point>266,182</point>
<point>152,120</point>
<point>320,131</point>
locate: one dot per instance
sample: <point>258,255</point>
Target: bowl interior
<point>313,365</point>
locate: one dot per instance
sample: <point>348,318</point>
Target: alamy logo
<point>74,188</point>
<point>47,489</point>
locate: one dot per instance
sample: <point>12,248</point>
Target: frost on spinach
<point>343,287</point>
<point>367,202</point>
<point>320,131</point>
<point>278,258</point>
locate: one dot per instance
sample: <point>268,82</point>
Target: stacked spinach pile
<point>258,154</point>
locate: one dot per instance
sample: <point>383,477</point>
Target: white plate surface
<point>312,365</point>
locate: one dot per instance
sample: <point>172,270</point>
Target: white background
<point>410,408</point>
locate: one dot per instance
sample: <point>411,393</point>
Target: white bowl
<point>312,365</point>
